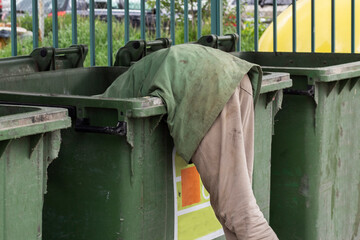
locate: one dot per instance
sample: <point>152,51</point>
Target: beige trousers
<point>224,160</point>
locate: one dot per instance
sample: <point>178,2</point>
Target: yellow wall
<point>322,28</point>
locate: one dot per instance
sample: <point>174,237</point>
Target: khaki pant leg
<point>224,160</point>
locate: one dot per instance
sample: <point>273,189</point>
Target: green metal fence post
<point>35,21</point>
<point>142,21</point>
<point>158,20</point>
<point>332,26</point>
<point>13,28</point>
<point>216,17</point>
<point>199,19</point>
<point>352,26</point>
<point>256,25</point>
<point>92,33</point>
<point>294,25</point>
<point>312,25</point>
<point>275,26</point>
<point>127,22</point>
<point>74,21</point>
<point>238,23</point>
<point>109,32</point>
<point>186,21</point>
<point>172,21</point>
<point>55,23</point>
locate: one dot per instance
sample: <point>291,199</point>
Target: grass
<point>24,45</point>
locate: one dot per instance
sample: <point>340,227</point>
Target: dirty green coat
<point>194,82</point>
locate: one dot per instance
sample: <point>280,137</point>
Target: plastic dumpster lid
<point>133,51</point>
<point>18,121</point>
<point>273,81</point>
<point>44,59</point>
<point>322,67</point>
<point>45,89</point>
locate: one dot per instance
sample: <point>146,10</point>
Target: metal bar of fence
<point>127,22</point>
<point>55,23</point>
<point>275,26</point>
<point>352,26</point>
<point>312,25</point>
<point>219,16</point>
<point>199,19</point>
<point>186,21</point>
<point>238,23</point>
<point>142,21</point>
<point>92,33</point>
<point>35,22</point>
<point>74,21</point>
<point>109,32</point>
<point>332,26</point>
<point>213,12</point>
<point>294,25</point>
<point>158,20</point>
<point>216,17</point>
<point>13,28</point>
<point>172,21</point>
<point>256,25</point>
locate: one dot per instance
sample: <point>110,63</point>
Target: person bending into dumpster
<point>209,96</point>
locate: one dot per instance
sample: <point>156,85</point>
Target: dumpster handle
<point>310,92</point>
<point>67,50</point>
<point>83,125</point>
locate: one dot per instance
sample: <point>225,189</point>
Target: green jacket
<point>194,82</point>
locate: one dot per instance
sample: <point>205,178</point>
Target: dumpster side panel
<point>339,171</point>
<point>149,177</point>
<point>82,199</point>
<point>316,169</point>
<point>262,150</point>
<point>102,188</point>
<point>22,170</point>
<point>292,168</point>
<point>158,181</point>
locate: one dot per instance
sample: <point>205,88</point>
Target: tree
<point>165,6</point>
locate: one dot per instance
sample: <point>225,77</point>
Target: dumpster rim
<point>41,120</point>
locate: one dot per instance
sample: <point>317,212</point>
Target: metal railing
<point>216,24</point>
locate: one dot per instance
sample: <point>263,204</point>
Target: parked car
<point>118,12</point>
<point>64,6</point>
<point>269,2</point>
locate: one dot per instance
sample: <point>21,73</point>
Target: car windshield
<point>26,5</point>
<point>133,5</point>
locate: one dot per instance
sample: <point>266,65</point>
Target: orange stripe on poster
<point>190,184</point>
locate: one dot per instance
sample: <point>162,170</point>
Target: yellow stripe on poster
<point>197,224</point>
<point>194,217</point>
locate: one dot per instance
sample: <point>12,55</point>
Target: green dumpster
<point>29,141</point>
<point>44,59</point>
<point>114,176</point>
<point>315,187</point>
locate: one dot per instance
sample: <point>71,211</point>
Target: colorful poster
<point>194,217</point>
